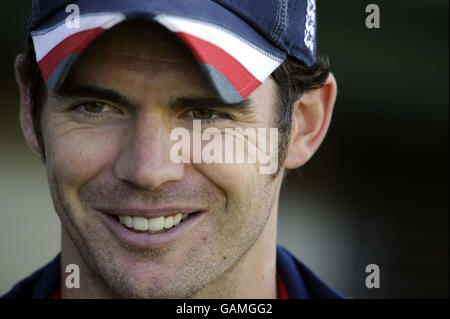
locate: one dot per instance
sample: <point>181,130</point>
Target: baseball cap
<point>237,43</point>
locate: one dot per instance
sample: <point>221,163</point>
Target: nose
<point>144,158</point>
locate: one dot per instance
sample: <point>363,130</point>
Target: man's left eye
<point>207,114</point>
<point>96,107</point>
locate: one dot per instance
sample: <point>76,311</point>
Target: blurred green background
<point>375,192</point>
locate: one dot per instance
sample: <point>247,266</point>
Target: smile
<point>144,231</point>
<point>152,225</point>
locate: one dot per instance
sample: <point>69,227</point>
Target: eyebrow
<point>74,89</point>
<point>200,102</point>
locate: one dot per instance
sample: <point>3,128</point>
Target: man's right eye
<point>93,110</point>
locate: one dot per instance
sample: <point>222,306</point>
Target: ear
<point>25,106</point>
<point>310,120</point>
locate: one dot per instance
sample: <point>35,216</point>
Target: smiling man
<point>103,86</point>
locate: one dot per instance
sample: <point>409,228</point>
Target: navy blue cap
<point>237,44</point>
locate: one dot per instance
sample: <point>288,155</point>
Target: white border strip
<point>260,64</point>
<point>44,43</point>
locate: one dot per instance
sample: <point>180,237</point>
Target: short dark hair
<point>29,71</point>
<point>293,78</point>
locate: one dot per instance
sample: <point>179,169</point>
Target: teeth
<point>153,225</point>
<point>140,223</point>
<point>177,219</point>
<point>168,222</point>
<point>128,221</point>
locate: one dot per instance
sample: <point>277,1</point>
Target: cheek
<point>233,179</point>
<point>238,181</point>
<point>77,156</point>
<point>226,170</point>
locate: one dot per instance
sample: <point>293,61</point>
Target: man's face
<point>107,141</point>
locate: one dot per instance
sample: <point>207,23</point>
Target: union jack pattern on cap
<point>237,44</point>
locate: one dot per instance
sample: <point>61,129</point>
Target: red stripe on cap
<point>72,44</point>
<point>242,80</point>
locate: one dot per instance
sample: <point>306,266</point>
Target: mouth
<point>153,225</point>
<point>147,232</point>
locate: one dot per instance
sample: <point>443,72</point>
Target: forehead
<point>141,39</point>
<point>139,55</point>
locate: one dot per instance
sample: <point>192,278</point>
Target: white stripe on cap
<point>259,64</point>
<point>45,40</point>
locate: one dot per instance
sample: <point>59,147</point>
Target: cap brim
<point>232,55</point>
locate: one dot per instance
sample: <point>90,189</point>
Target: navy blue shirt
<point>300,282</point>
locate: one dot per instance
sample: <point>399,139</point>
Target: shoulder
<point>299,280</point>
<point>39,285</point>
